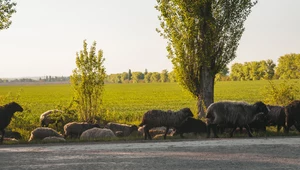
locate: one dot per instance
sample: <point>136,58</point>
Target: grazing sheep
<point>276,117</point>
<point>12,134</point>
<point>6,112</point>
<point>46,118</point>
<point>158,118</point>
<point>238,114</point>
<point>97,133</point>
<point>191,125</point>
<point>126,129</point>
<point>292,112</point>
<point>75,129</point>
<point>42,132</point>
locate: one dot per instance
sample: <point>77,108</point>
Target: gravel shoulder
<point>223,153</point>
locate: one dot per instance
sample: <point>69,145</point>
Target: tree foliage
<point>164,76</point>
<point>202,36</point>
<point>288,66</point>
<point>255,70</point>
<point>6,11</point>
<point>88,82</point>
<point>223,75</point>
<point>136,76</point>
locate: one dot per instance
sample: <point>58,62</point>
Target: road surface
<point>248,153</point>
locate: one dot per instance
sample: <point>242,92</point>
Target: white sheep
<point>42,132</point>
<point>97,133</point>
<point>46,119</point>
<point>126,129</point>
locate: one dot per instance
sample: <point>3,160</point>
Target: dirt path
<point>255,153</point>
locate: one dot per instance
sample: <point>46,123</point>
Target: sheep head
<point>14,107</point>
<point>188,112</point>
<point>261,107</point>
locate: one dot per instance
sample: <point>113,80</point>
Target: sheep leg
<point>289,122</point>
<point>208,130</point>
<point>2,137</point>
<point>167,130</point>
<point>278,128</point>
<point>241,129</point>
<point>181,134</point>
<point>146,132</point>
<point>248,130</point>
<point>214,128</point>
<point>232,131</point>
<point>284,127</point>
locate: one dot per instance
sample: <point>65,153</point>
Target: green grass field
<point>125,103</point>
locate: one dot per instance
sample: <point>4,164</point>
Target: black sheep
<point>259,123</point>
<point>239,114</point>
<point>276,117</point>
<point>158,118</point>
<point>292,112</point>
<point>191,125</point>
<point>6,112</point>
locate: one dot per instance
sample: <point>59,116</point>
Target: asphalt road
<point>247,153</point>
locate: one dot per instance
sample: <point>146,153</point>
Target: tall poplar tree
<point>203,37</point>
<point>88,82</point>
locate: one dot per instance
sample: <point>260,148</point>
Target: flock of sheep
<point>219,116</point>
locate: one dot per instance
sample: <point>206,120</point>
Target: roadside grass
<point>122,103</point>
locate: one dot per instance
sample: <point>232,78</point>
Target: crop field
<point>123,103</point>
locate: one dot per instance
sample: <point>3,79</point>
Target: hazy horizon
<point>45,36</point>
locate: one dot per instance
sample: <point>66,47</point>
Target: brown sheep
<point>75,129</point>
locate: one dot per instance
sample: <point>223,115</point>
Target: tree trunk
<point>206,91</point>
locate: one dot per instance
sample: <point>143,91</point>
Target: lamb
<point>42,132</point>
<point>46,118</point>
<point>238,114</point>
<point>258,123</point>
<point>97,133</point>
<point>191,125</point>
<point>6,112</point>
<point>276,117</point>
<point>158,118</point>
<point>292,112</point>
<point>126,129</point>
<point>75,129</point>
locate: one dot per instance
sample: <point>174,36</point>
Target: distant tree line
<point>38,79</point>
<point>141,77</point>
<point>288,68</point>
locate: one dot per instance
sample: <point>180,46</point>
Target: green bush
<point>280,94</point>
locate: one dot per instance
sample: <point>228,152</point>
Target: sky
<point>45,35</point>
